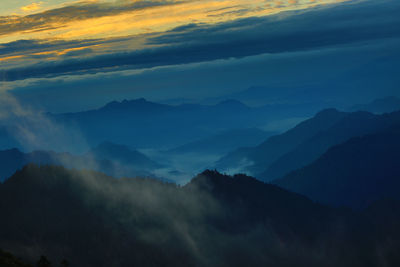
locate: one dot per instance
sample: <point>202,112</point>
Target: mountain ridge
<point>215,220</point>
<point>361,170</point>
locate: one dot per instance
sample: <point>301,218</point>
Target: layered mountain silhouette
<point>143,124</point>
<point>122,154</point>
<point>215,220</point>
<point>380,105</point>
<point>306,142</point>
<point>356,173</point>
<point>354,124</point>
<point>113,159</point>
<point>278,145</point>
<point>295,101</point>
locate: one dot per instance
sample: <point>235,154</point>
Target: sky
<point>75,55</point>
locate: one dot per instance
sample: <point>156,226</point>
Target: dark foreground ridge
<point>92,219</point>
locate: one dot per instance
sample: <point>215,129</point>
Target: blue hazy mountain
<point>301,100</point>
<point>224,142</point>
<point>306,142</point>
<point>352,125</point>
<point>112,159</point>
<point>355,173</point>
<point>215,220</point>
<point>381,105</point>
<point>122,154</point>
<point>143,124</point>
<point>276,146</point>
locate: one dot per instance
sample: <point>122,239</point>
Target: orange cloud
<point>32,7</point>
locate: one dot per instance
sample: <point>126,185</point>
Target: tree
<point>43,262</point>
<point>64,263</point>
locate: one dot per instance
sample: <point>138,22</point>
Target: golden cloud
<point>32,7</point>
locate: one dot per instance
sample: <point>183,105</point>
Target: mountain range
<point>326,193</point>
<point>381,105</point>
<point>143,124</point>
<point>215,220</point>
<point>112,159</point>
<point>361,171</point>
<point>306,142</point>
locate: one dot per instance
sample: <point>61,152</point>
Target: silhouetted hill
<point>381,105</point>
<point>9,260</point>
<point>224,142</point>
<point>355,173</point>
<point>115,160</point>
<point>215,220</point>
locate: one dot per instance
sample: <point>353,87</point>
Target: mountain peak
<point>139,105</point>
<point>207,180</point>
<point>327,112</point>
<point>231,102</point>
<point>126,102</point>
<point>214,181</point>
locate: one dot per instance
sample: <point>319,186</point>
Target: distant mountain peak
<point>126,102</point>
<point>212,180</point>
<point>231,102</point>
<point>139,104</point>
<point>327,112</point>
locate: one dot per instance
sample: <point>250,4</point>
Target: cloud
<point>75,12</point>
<point>294,31</point>
<point>32,129</point>
<point>32,7</point>
<point>350,74</point>
<point>120,18</point>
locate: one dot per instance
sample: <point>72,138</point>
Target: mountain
<point>9,260</point>
<point>224,142</point>
<point>258,157</point>
<point>301,100</point>
<point>379,106</point>
<point>122,154</point>
<point>143,124</point>
<point>300,146</point>
<point>215,220</point>
<point>352,125</point>
<point>355,173</point>
<point>116,160</point>
<point>12,160</point>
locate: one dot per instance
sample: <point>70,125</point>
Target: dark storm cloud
<point>321,27</point>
